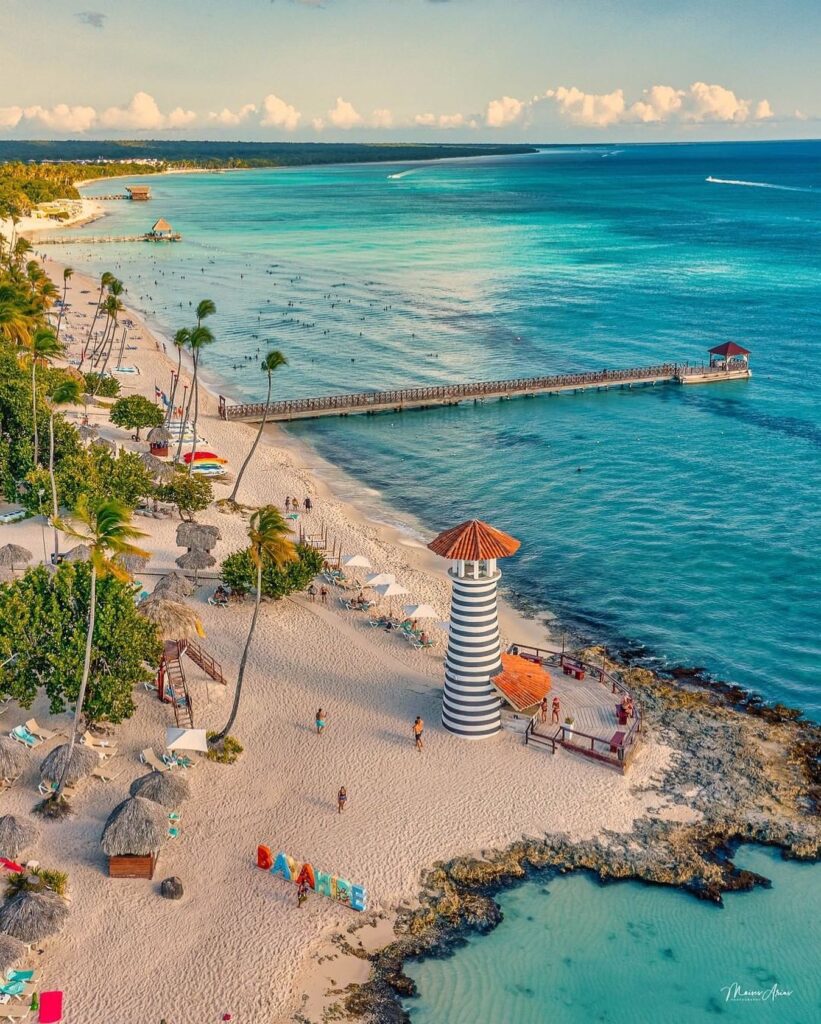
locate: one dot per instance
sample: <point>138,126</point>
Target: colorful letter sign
<point>335,888</point>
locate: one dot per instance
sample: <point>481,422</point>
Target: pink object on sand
<point>11,865</point>
<point>51,1007</point>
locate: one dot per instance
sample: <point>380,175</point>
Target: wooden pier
<point>402,399</point>
<point>85,240</point>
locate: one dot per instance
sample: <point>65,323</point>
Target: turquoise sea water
<point>691,533</point>
<point>632,954</point>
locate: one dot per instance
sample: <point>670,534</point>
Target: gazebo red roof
<point>474,540</point>
<point>729,348</point>
<point>521,683</point>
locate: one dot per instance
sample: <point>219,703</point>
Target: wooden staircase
<point>202,658</point>
<point>172,687</point>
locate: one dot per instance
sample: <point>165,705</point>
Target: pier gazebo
<point>729,356</point>
<point>471,707</point>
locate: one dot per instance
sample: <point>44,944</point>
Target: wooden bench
<point>616,741</point>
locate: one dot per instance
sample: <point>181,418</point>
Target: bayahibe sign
<point>332,886</point>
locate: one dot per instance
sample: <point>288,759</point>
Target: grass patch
<point>225,752</point>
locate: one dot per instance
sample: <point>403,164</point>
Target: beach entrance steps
<point>172,687</point>
<point>201,657</point>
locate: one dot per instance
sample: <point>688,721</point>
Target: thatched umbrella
<point>14,554</point>
<point>173,585</point>
<point>133,563</point>
<point>105,442</point>
<point>159,435</point>
<point>12,952</point>
<point>159,470</point>
<point>33,916</point>
<point>13,758</point>
<point>166,788</point>
<point>137,827</point>
<point>197,535</point>
<point>16,835</point>
<point>79,553</point>
<point>196,559</point>
<point>87,432</point>
<point>83,762</point>
<point>173,619</point>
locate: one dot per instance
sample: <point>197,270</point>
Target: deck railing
<point>446,392</point>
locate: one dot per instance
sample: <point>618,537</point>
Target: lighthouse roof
<point>474,540</point>
<point>729,348</point>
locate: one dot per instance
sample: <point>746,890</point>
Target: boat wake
<point>756,184</point>
<point>402,174</point>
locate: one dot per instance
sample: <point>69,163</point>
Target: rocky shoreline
<point>744,771</point>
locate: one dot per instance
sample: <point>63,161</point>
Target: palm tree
<point>113,308</point>
<point>115,290</point>
<point>205,308</point>
<point>108,532</point>
<point>68,273</point>
<point>181,339</point>
<point>271,362</point>
<point>105,281</point>
<point>67,392</point>
<point>267,532</point>
<point>43,348</point>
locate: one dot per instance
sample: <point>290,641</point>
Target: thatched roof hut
<point>159,470</point>
<point>196,559</point>
<point>197,535</point>
<point>156,435</point>
<point>136,827</point>
<point>173,585</point>
<point>16,835</point>
<point>173,619</point>
<point>33,916</point>
<point>79,553</point>
<point>14,554</point>
<point>13,758</point>
<point>169,789</point>
<point>83,762</point>
<point>12,952</point>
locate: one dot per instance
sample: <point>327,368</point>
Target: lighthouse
<point>471,707</point>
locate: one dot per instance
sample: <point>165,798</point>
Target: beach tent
<point>186,739</point>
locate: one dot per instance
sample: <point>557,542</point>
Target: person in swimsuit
<point>341,799</point>
<point>543,710</point>
<point>557,707</point>
<point>320,721</point>
<point>418,729</point>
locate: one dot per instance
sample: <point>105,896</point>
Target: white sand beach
<point>237,943</point>
<point>80,211</point>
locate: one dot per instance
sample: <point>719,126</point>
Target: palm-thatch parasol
<point>105,442</point>
<point>80,553</point>
<point>33,916</point>
<point>133,563</point>
<point>87,432</point>
<point>173,585</point>
<point>16,835</point>
<point>13,758</point>
<point>173,619</point>
<point>196,559</point>
<point>12,952</point>
<point>83,762</point>
<point>197,535</point>
<point>168,789</point>
<point>159,470</point>
<point>158,435</point>
<point>14,554</point>
<point>135,828</point>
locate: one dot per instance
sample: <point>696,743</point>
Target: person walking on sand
<point>341,799</point>
<point>557,707</point>
<point>308,504</point>
<point>320,721</point>
<point>323,594</point>
<point>543,710</point>
<point>301,893</point>
<point>287,504</point>
<point>418,729</point>
<point>312,592</point>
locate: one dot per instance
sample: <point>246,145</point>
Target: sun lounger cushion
<point>51,1007</point>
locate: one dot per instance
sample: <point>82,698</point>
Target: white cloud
<point>799,115</point>
<point>444,121</point>
<point>763,110</point>
<point>382,118</point>
<point>715,103</point>
<point>660,102</point>
<point>62,118</point>
<point>276,113</point>
<point>318,124</point>
<point>233,117</point>
<point>10,117</point>
<point>143,114</point>
<point>504,111</point>
<point>344,115</point>
<point>596,109</point>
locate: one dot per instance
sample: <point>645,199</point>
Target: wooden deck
<point>402,399</point>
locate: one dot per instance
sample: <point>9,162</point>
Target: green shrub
<point>97,472</point>
<point>227,752</point>
<point>190,492</point>
<point>136,412</point>
<point>239,573</point>
<point>37,880</point>
<point>108,387</point>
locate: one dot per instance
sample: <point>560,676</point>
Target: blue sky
<point>489,70</point>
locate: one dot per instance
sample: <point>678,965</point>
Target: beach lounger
<point>174,816</point>
<point>13,975</point>
<point>37,730</point>
<point>15,1011</point>
<point>22,735</point>
<point>51,1007</point>
<point>104,748</point>
<point>173,833</point>
<point>106,772</point>
<point>148,757</point>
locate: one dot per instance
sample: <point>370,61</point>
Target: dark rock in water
<point>171,889</point>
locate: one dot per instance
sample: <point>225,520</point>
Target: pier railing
<point>446,392</point>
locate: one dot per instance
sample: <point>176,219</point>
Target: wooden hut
<point>133,835</point>
<point>138,193</point>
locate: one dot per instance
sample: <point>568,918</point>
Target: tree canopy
<point>136,412</point>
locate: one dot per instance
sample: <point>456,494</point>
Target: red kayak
<point>200,455</point>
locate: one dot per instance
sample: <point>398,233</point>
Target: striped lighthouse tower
<point>471,707</point>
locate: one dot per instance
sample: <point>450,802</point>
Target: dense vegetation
<point>24,185</point>
<point>239,572</point>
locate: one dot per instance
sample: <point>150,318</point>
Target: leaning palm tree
<point>67,392</point>
<point>43,348</point>
<point>105,280</point>
<point>113,309</point>
<point>200,337</point>
<point>270,363</point>
<point>108,532</point>
<point>267,532</point>
<point>68,273</point>
<point>181,339</point>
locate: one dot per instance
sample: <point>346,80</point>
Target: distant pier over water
<point>727,362</point>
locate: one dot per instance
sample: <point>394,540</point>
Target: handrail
<point>443,392</point>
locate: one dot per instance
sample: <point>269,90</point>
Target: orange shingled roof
<point>522,683</point>
<point>474,540</point>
